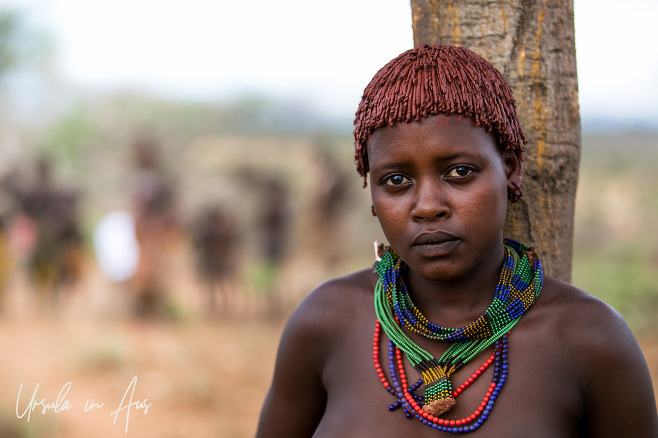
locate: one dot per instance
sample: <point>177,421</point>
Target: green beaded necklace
<point>521,280</point>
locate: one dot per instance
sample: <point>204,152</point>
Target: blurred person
<point>154,208</point>
<point>384,351</point>
<point>273,225</point>
<point>330,200</point>
<point>216,243</point>
<point>55,258</point>
<point>9,252</point>
<point>6,261</point>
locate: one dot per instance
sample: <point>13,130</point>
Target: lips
<point>436,244</point>
<point>434,238</point>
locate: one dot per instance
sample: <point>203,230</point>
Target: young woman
<point>456,329</point>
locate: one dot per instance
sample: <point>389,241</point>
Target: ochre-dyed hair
<point>431,80</point>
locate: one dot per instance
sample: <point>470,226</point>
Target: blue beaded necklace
<point>412,404</point>
<point>520,284</point>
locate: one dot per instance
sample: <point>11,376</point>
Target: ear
<point>513,168</point>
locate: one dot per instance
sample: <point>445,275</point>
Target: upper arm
<point>618,393</point>
<point>296,400</point>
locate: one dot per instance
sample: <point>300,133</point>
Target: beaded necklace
<point>520,283</point>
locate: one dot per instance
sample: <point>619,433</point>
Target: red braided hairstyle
<point>431,80</point>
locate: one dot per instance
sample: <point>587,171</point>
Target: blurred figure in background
<point>216,244</point>
<point>153,205</point>
<point>273,223</point>
<point>331,197</point>
<point>55,260</point>
<point>6,262</point>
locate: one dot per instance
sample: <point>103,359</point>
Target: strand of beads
<point>397,383</point>
<point>518,287</point>
<point>474,376</point>
<point>412,404</point>
<point>472,422</point>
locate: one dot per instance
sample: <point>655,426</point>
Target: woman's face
<point>439,188</point>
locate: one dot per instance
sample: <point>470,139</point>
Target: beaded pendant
<point>520,283</point>
<point>412,404</point>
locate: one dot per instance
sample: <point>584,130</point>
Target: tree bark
<point>532,43</point>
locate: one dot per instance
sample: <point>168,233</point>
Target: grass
<point>616,237</point>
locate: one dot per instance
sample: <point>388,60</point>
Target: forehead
<point>437,135</point>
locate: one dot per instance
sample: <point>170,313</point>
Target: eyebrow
<point>401,164</point>
<point>389,166</point>
<point>458,155</point>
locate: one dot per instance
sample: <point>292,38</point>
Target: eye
<point>396,180</point>
<point>460,172</point>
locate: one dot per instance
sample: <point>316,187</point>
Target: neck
<point>459,301</point>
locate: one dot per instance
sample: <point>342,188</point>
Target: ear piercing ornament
<point>515,194</point>
<point>372,210</point>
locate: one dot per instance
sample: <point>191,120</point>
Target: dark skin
<point>576,369</point>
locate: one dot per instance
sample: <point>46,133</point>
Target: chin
<point>443,271</point>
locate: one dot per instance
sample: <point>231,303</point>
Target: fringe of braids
<point>431,80</point>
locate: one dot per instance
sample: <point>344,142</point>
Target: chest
<point>540,396</point>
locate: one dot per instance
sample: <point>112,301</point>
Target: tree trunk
<point>532,43</point>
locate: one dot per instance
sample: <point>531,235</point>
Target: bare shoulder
<point>592,335</point>
<point>575,310</point>
<point>353,286</point>
<point>332,306</point>
<point>582,321</point>
<point>312,334</point>
<point>590,345</point>
<point>596,349</point>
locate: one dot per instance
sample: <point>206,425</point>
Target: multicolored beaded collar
<point>521,280</point>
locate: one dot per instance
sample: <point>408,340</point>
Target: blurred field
<point>202,378</point>
<point>204,375</point>
<point>207,374</point>
<point>616,237</point>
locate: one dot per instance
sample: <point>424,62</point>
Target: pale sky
<point>324,52</point>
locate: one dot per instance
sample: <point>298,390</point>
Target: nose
<point>431,201</point>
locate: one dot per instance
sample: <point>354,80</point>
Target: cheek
<point>489,200</point>
<point>391,215</point>
<point>385,202</point>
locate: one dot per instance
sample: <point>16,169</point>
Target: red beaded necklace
<point>412,403</point>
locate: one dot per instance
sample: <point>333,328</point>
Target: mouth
<point>435,244</point>
<point>434,238</point>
